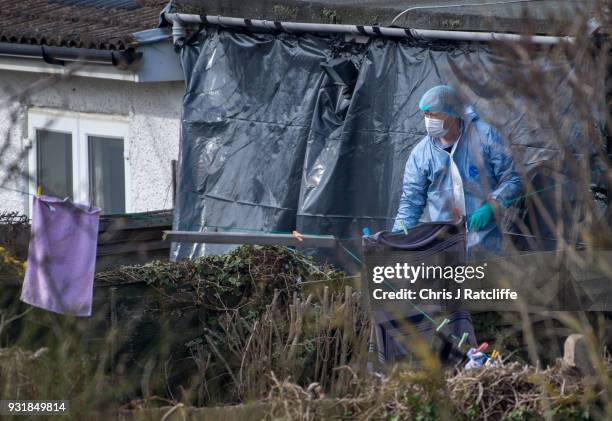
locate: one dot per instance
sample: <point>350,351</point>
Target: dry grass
<point>259,310</point>
<point>274,335</point>
<point>514,391</point>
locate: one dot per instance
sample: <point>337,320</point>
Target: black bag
<point>401,327</point>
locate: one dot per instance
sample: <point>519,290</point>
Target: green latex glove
<point>481,217</point>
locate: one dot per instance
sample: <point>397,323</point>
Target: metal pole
<point>250,238</point>
<point>180,20</point>
<point>174,165</point>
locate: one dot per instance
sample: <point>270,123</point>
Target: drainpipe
<point>180,21</point>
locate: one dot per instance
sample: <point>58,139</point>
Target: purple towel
<point>62,256</point>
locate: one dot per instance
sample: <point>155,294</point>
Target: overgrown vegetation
<point>512,392</point>
<point>216,328</point>
<point>12,228</point>
<point>269,330</point>
<point>260,310</point>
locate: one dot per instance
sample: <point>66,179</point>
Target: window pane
<point>54,162</point>
<point>107,174</point>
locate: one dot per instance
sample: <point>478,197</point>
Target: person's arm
<point>509,184</point>
<point>414,195</point>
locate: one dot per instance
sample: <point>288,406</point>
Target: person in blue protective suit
<point>461,168</point>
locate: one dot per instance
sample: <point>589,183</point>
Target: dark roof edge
<point>64,55</point>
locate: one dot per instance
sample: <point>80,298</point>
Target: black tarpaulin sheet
<point>269,143</point>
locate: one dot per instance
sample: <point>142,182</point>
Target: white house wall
<point>153,115</point>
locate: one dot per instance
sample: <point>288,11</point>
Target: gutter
<point>181,21</point>
<point>64,55</point>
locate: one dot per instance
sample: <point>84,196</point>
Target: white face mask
<point>435,127</point>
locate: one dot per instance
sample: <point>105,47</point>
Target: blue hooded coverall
<point>487,171</point>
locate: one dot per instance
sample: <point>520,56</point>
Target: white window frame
<point>81,126</point>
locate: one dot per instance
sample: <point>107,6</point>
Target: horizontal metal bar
<point>179,20</point>
<point>250,238</point>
